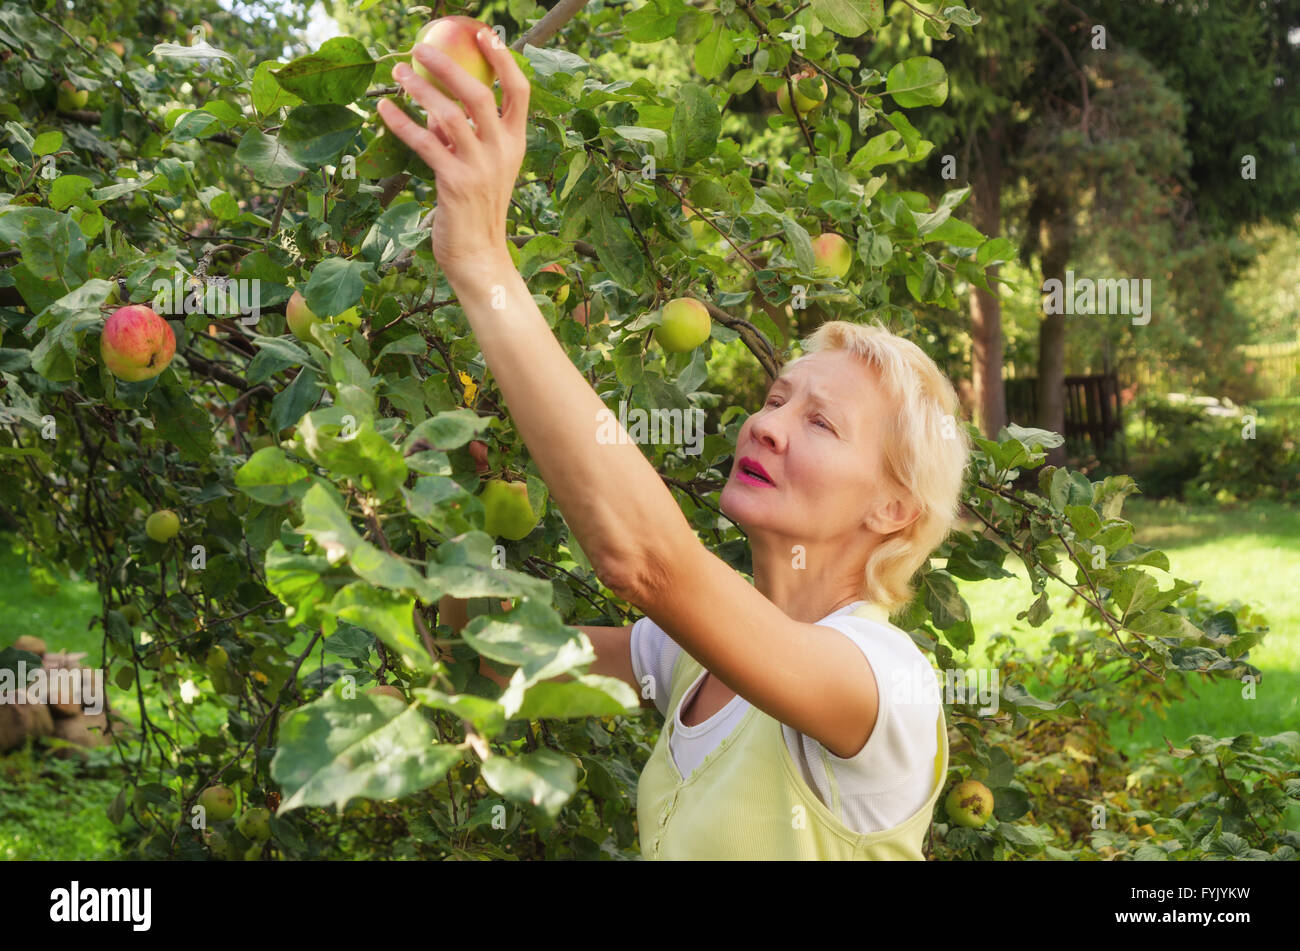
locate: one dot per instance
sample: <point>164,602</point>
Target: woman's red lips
<point>751,473</point>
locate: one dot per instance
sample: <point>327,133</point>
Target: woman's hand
<point>475,166</point>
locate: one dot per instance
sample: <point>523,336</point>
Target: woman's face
<point>819,440</point>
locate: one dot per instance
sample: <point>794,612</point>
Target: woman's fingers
<point>423,142</point>
<point>514,84</point>
<point>475,98</point>
<point>442,110</point>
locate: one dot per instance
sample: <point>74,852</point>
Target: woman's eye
<point>822,423</point>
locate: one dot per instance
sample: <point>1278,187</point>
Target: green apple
<point>300,317</point>
<point>685,325</point>
<point>700,228</point>
<point>253,852</point>
<point>136,343</point>
<point>803,103</point>
<point>832,255</point>
<point>71,98</point>
<point>162,525</point>
<point>454,36</point>
<point>969,804</point>
<point>255,824</point>
<point>218,803</point>
<point>132,614</point>
<point>508,513</point>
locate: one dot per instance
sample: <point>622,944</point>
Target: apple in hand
<point>454,36</point>
<point>136,343</point>
<point>218,803</point>
<point>832,255</point>
<point>162,525</point>
<point>969,804</point>
<point>71,98</point>
<point>803,103</point>
<point>686,324</point>
<point>508,513</point>
<point>300,317</point>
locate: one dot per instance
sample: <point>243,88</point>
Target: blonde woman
<point>795,728</point>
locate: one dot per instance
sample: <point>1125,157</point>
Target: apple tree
<point>327,467</point>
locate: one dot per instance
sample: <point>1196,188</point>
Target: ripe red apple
<point>136,344</point>
<point>832,254</point>
<point>801,102</point>
<point>686,324</point>
<point>71,98</point>
<point>969,804</point>
<point>117,47</point>
<point>454,35</point>
<point>218,803</point>
<point>478,451</point>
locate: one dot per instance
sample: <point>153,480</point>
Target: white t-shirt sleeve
<point>890,777</point>
<point>654,653</point>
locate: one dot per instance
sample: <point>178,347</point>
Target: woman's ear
<point>893,515</point>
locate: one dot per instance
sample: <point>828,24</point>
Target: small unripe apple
<point>561,292</point>
<point>832,255</point>
<point>218,803</point>
<point>387,690</point>
<point>170,17</point>
<point>300,317</point>
<point>969,804</point>
<point>699,227</point>
<point>803,103</point>
<point>136,343</point>
<point>686,324</point>
<point>255,824</point>
<point>508,513</point>
<point>117,47</point>
<point>71,98</point>
<point>162,525</point>
<point>454,36</point>
<point>131,612</point>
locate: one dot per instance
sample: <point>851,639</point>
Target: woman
<point>792,732</point>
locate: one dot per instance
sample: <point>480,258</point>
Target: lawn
<point>1250,553</point>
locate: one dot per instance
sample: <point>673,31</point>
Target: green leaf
<point>326,522</point>
<point>1084,520</point>
<point>335,749</point>
<point>800,244</point>
<point>450,429</point>
<point>268,160</point>
<point>271,477</point>
<point>317,135</point>
<point>588,696</point>
<point>180,421</point>
<point>268,95</point>
<point>289,405</point>
<point>654,21</point>
<point>335,285</point>
<point>545,779</point>
<point>850,17</point>
<point>386,615</point>
<point>713,53</point>
<point>617,251</point>
<point>296,579</point>
<point>1009,803</point>
<point>339,73</point>
<point>918,81</point>
<point>695,126</point>
<point>942,599</point>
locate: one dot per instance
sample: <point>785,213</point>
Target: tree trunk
<point>1056,243</point>
<point>985,308</point>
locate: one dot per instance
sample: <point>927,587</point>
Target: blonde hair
<point>925,452</point>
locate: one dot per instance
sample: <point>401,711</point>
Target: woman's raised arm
<point>611,497</point>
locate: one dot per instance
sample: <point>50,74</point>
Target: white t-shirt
<point>889,778</point>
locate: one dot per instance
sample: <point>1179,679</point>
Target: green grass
<point>1248,552</point>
